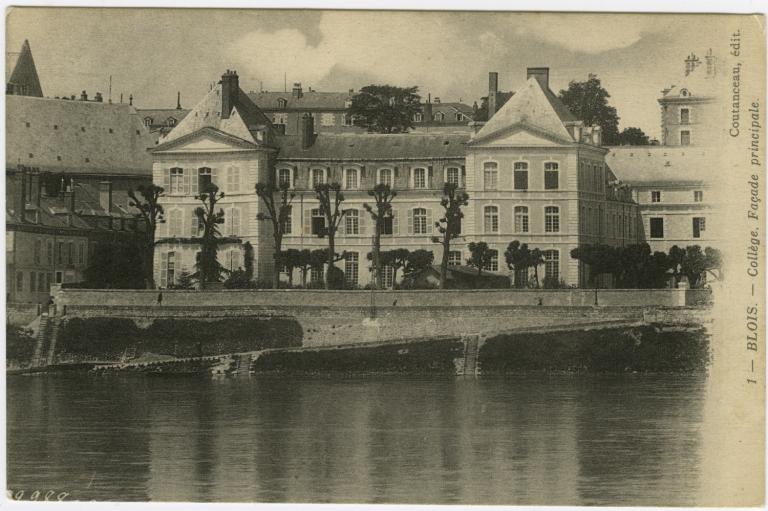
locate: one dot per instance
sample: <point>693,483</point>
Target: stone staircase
<point>470,367</point>
<point>52,339</point>
<point>242,364</point>
<point>43,334</point>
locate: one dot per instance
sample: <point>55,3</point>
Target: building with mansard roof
<point>533,172</point>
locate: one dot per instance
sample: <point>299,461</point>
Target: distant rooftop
<point>377,146</point>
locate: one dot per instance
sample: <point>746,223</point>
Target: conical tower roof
<point>24,80</point>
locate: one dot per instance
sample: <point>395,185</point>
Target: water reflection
<point>532,439</point>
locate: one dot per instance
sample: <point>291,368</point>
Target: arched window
<point>551,175</point>
<point>491,175</point>
<point>352,222</point>
<point>351,181</point>
<point>551,219</point>
<point>491,219</point>
<point>282,103</point>
<point>439,116</point>
<point>318,177</point>
<point>147,121</point>
<point>419,221</point>
<point>521,219</point>
<point>452,176</point>
<point>493,262</point>
<point>385,177</point>
<point>419,178</point>
<point>284,176</point>
<point>552,265</point>
<point>521,175</point>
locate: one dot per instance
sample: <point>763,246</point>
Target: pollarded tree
<point>208,267</point>
<point>480,256</point>
<point>330,197</point>
<point>151,214</point>
<point>385,108</point>
<point>588,101</point>
<point>450,225</point>
<point>601,259</point>
<point>278,213</point>
<point>382,209</point>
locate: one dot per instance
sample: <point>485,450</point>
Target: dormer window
<point>684,93</point>
<point>171,121</point>
<point>147,121</point>
<point>282,103</point>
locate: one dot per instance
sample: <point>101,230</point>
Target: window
<point>232,222</point>
<point>49,252</point>
<point>388,224</point>
<point>385,177</point>
<point>351,181</point>
<point>176,181</point>
<point>657,228</point>
<point>282,103</point>
<point>551,176</point>
<point>419,178</point>
<point>439,116</point>
<point>288,223</point>
<point>656,196</point>
<point>521,219</point>
<point>491,219</point>
<point>195,225</point>
<point>552,265</point>
<point>699,225</point>
<point>352,222</point>
<point>418,117</point>
<point>551,219</point>
<point>685,137</point>
<point>521,175</point>
<point>351,265</point>
<point>60,255</point>
<point>232,262</point>
<point>147,121</point>
<point>685,116</point>
<point>493,262</point>
<point>280,119</point>
<point>318,177</point>
<point>318,222</point>
<point>174,222</point>
<point>349,120</point>
<point>452,175</point>
<point>204,178</point>
<point>171,121</point>
<point>168,269</point>
<point>387,276</point>
<point>419,221</point>
<point>490,175</point>
<point>284,177</point>
<point>81,254</point>
<point>316,275</point>
<point>38,249</point>
<point>327,119</point>
<point>454,258</point>
<point>20,282</point>
<point>233,179</point>
<point>698,196</point>
<point>459,117</point>
<point>32,282</point>
<point>41,282</point>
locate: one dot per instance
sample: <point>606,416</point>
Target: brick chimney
<point>541,74</point>
<point>21,196</point>
<point>426,109</point>
<point>98,98</point>
<point>83,96</point>
<point>34,187</point>
<point>297,92</point>
<point>105,196</point>
<point>230,87</point>
<point>493,91</point>
<point>306,131</point>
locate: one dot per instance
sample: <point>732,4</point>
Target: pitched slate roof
<point>309,100</point>
<point>650,165</point>
<point>160,115</point>
<point>76,137</point>
<point>23,79</point>
<point>244,121</point>
<point>376,146</point>
<point>534,105</point>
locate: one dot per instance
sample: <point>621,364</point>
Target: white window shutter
<point>193,224</point>
<point>164,269</point>
<point>308,223</point>
<point>429,220</point>
<point>410,221</point>
<point>215,177</point>
<point>429,177</point>
<point>186,182</point>
<point>167,181</point>
<point>193,178</point>
<point>410,177</point>
<point>395,229</point>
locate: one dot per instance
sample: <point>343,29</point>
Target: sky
<point>153,53</point>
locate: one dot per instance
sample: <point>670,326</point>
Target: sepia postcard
<point>384,257</point>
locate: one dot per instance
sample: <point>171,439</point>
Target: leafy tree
<point>588,101</point>
<point>601,259</point>
<point>480,256</point>
<point>114,265</point>
<point>418,260</point>
<point>714,261</point>
<point>278,213</point>
<point>318,258</point>
<point>208,267</point>
<point>633,136</point>
<point>397,259</point>
<point>248,260</point>
<point>304,264</point>
<point>696,262</point>
<point>151,214</point>
<point>330,197</point>
<point>290,260</point>
<point>450,225</point>
<point>385,108</point>
<point>184,281</point>
<point>382,208</point>
<point>519,258</point>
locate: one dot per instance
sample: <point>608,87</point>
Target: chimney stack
<point>230,86</point>
<point>178,100</point>
<point>426,109</point>
<point>541,74</point>
<point>98,98</point>
<point>296,92</point>
<point>21,196</point>
<point>306,131</point>
<point>130,100</point>
<point>493,91</point>
<point>34,187</point>
<point>83,96</point>
<point>105,196</point>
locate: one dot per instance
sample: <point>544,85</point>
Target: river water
<point>532,439</point>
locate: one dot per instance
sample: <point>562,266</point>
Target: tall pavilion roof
<point>77,137</point>
<point>535,105</point>
<point>23,79</point>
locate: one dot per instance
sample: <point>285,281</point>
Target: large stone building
<point>69,165</point>
<point>533,173</point>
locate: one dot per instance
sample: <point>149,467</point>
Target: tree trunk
<point>536,276</point>
<point>444,262</point>
<point>304,277</point>
<point>331,256</point>
<point>276,258</point>
<point>376,256</point>
<point>149,266</point>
